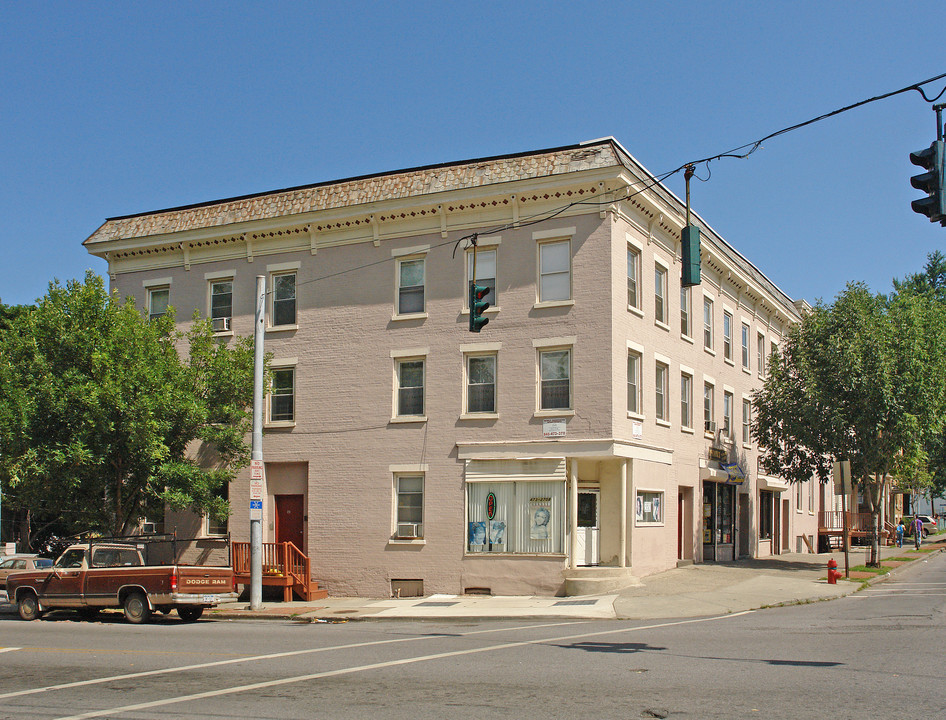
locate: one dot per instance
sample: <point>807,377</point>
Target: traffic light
<point>931,182</point>
<point>478,307</point>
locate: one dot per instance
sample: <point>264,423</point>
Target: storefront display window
<point>719,529</point>
<point>516,517</point>
<point>650,508</point>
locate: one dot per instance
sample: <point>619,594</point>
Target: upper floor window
<point>746,421</point>
<point>282,395</point>
<point>555,379</point>
<point>221,304</point>
<point>481,383</point>
<point>485,274</point>
<point>760,354</point>
<point>686,400</point>
<point>661,373</point>
<point>727,336</point>
<point>708,406</point>
<point>660,294</point>
<point>158,301</point>
<point>284,299</point>
<point>219,526</point>
<point>555,271</point>
<point>634,382</point>
<point>410,387</point>
<point>410,506</point>
<point>727,413</point>
<point>410,288</point>
<point>707,323</point>
<point>685,328</point>
<point>633,277</point>
<point>745,346</point>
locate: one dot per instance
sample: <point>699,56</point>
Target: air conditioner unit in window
<point>410,530</point>
<point>709,426</point>
<point>221,324</point>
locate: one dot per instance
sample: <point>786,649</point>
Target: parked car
<point>92,577</point>
<point>16,563</point>
<point>929,525</point>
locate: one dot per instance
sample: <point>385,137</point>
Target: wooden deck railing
<point>283,563</point>
<point>833,520</point>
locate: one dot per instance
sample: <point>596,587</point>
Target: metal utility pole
<point>256,505</point>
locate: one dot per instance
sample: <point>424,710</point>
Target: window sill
<point>708,434</point>
<point>688,430</point>
<point>709,351</point>
<point>409,316</point>
<point>508,553</point>
<point>491,310</point>
<point>663,423</point>
<point>636,416</point>
<point>552,304</point>
<point>479,416</point>
<point>662,325</point>
<point>729,362</point>
<point>407,541</point>
<point>553,413</point>
<point>687,338</point>
<point>279,425</point>
<point>224,333</point>
<point>747,371</point>
<point>635,311</point>
<point>409,419</point>
<point>640,523</point>
<point>281,328</point>
<point>747,446</point>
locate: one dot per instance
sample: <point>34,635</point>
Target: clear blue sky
<point>110,109</point>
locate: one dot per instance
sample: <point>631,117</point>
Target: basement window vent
<point>407,588</point>
<point>477,591</point>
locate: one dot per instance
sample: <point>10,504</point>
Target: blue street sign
<point>256,504</point>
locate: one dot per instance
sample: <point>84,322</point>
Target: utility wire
<point>654,180</point>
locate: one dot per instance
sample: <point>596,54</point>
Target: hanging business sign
<point>490,506</point>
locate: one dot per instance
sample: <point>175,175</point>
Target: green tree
<point>105,415</point>
<point>861,380</point>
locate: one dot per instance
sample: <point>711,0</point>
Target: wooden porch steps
<point>284,565</point>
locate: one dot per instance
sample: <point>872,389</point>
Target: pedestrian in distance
<point>917,531</point>
<point>900,530</point>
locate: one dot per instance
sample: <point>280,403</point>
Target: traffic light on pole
<point>931,182</point>
<point>478,306</point>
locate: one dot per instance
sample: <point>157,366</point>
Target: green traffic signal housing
<point>478,306</point>
<point>933,159</point>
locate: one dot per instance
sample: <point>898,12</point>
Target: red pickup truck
<point>93,577</point>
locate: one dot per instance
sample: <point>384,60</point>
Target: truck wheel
<point>28,607</point>
<point>190,614</point>
<point>136,608</point>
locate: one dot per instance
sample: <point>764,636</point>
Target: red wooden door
<point>290,511</point>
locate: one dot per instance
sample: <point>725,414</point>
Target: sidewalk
<point>690,591</point>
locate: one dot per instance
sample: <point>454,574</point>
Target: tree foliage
<point>861,379</point>
<point>106,416</point>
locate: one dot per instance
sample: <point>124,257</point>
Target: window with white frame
<point>633,277</point>
<point>708,423</point>
<point>634,383</point>
<point>798,497</point>
<point>707,323</point>
<point>727,335</point>
<point>410,285</point>
<point>221,304</point>
<point>745,346</point>
<point>686,400</point>
<point>485,274</point>
<point>811,496</point>
<point>555,379</point>
<point>282,395</point>
<point>284,299</point>
<point>760,354</point>
<point>159,299</point>
<point>767,505</point>
<point>555,271</point>
<point>685,328</point>
<point>410,506</point>
<point>662,399</point>
<point>221,526</point>
<point>746,421</point>
<point>481,383</point>
<point>660,294</point>
<point>727,413</point>
<point>410,387</point>
<point>650,508</point>
<point>527,517</point>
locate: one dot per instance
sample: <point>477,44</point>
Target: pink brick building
<point>595,431</point>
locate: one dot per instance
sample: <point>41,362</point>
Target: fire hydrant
<point>833,573</point>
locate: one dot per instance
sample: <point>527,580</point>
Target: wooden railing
<point>834,520</point>
<point>283,564</point>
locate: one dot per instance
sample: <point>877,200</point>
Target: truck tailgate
<point>204,580</point>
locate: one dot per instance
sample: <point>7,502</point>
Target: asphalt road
<point>876,654</point>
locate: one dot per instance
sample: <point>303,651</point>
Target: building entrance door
<point>719,527</point>
<point>290,513</point>
<point>586,544</point>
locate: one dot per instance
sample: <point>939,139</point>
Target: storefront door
<point>719,529</point>
<point>586,544</point>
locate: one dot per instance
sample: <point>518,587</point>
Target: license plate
<point>208,598</point>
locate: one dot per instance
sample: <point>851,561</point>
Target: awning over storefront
<point>766,482</point>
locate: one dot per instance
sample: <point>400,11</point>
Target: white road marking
<point>8,649</point>
<point>377,666</point>
<point>254,658</point>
